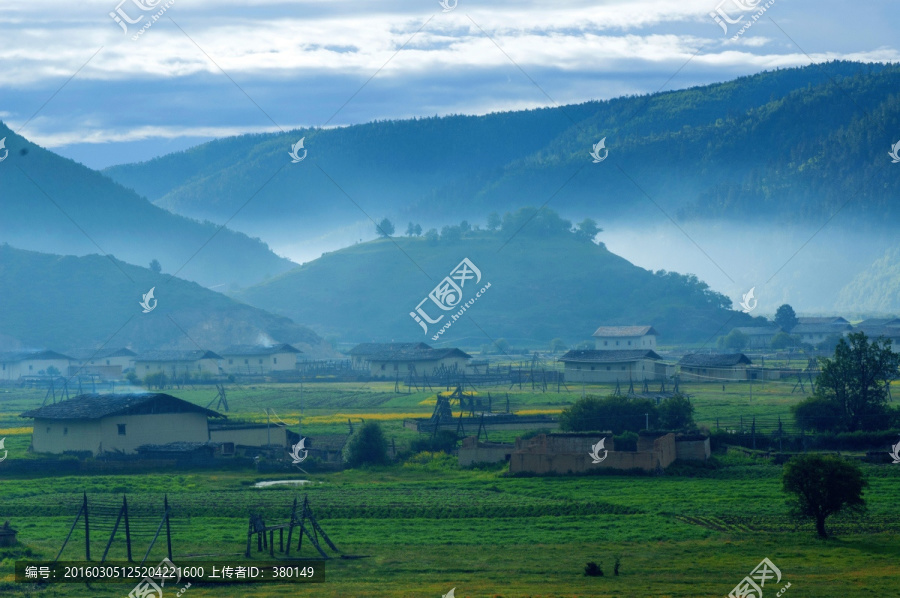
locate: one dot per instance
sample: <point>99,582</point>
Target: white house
<point>117,423</point>
<point>816,333</point>
<point>257,359</point>
<point>622,338</point>
<point>626,365</point>
<point>360,354</point>
<point>18,364</point>
<point>759,337</point>
<point>417,362</point>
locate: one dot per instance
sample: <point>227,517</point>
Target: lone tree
<point>854,383</point>
<point>155,266</point>
<point>823,486</point>
<point>385,228</point>
<point>676,413</point>
<point>734,340</point>
<point>785,318</point>
<point>367,446</point>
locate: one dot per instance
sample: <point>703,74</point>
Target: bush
<point>676,413</point>
<point>367,446</point>
<point>157,380</point>
<point>627,441</point>
<point>592,569</point>
<point>617,414</point>
<point>444,441</point>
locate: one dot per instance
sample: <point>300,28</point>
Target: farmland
<point>427,526</point>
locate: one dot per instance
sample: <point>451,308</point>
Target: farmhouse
<point>615,338</point>
<point>818,320</point>
<point>417,362</point>
<point>609,366</point>
<point>109,363</point>
<point>888,332</point>
<point>328,448</point>
<point>257,359</point>
<point>17,364</point>
<point>713,368</point>
<point>252,435</point>
<point>360,354</point>
<point>177,363</point>
<point>117,423</point>
<point>815,333</point>
<point>759,337</point>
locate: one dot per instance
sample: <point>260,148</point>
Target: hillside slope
<point>66,302</point>
<point>52,204</point>
<point>788,143</point>
<point>545,283</point>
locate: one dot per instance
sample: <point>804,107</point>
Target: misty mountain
<point>67,302</point>
<point>545,282</point>
<point>52,204</point>
<point>876,289</point>
<point>790,144</point>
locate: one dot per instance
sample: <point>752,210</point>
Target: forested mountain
<point>67,302</point>
<point>545,282</point>
<point>789,144</point>
<point>52,204</point>
<point>876,289</point>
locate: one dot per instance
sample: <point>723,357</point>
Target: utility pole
<point>646,421</point>
<point>268,430</point>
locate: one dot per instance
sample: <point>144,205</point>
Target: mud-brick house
<point>568,453</point>
<point>109,363</point>
<point>714,367</point>
<point>117,423</point>
<point>417,362</point>
<point>177,363</point>
<point>591,365</point>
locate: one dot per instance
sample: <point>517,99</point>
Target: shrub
<point>367,446</point>
<point>592,569</point>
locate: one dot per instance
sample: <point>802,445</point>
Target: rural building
<point>117,423</point>
<point>257,359</point>
<point>327,448</point>
<point>360,354</point>
<point>18,364</point>
<point>417,362</point>
<point>109,363</point>
<point>688,447</point>
<point>252,435</point>
<point>571,453</point>
<point>473,451</point>
<point>836,320</point>
<point>177,363</point>
<point>591,365</point>
<point>815,333</point>
<point>758,337</point>
<point>615,338</point>
<point>714,367</point>
<point>879,323</point>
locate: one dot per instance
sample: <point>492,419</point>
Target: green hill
<point>546,282</point>
<point>66,302</point>
<point>52,204</point>
<point>790,144</point>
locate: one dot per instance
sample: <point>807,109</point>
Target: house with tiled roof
<point>107,362</point>
<point>417,362</point>
<point>177,363</point>
<point>621,338</point>
<point>758,337</point>
<point>117,423</point>
<point>713,367</point>
<point>259,359</point>
<point>591,365</point>
<point>18,364</point>
<point>814,333</point>
<point>359,355</point>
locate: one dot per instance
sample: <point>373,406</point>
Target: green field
<point>428,526</point>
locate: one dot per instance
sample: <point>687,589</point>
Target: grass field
<point>427,527</point>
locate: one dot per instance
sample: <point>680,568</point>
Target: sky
<point>76,81</point>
